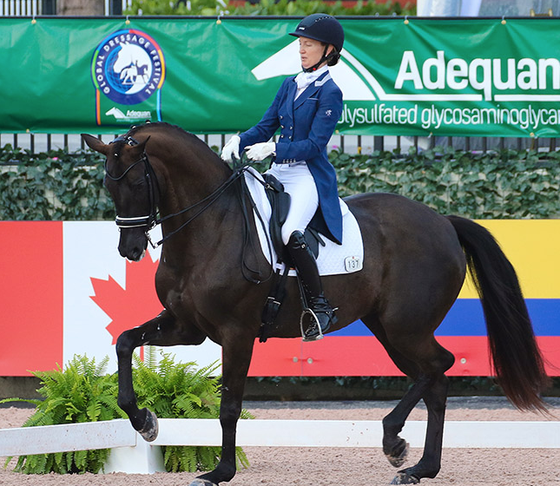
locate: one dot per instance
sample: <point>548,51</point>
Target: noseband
<point>151,220</point>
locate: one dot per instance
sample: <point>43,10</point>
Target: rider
<point>306,109</point>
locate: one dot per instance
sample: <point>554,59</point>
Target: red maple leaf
<point>133,305</point>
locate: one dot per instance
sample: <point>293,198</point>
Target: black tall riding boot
<point>306,267</point>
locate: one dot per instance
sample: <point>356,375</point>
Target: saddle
<point>280,203</point>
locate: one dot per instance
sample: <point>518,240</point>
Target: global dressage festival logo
<point>128,67</point>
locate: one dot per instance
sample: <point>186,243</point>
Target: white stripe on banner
<point>90,252</point>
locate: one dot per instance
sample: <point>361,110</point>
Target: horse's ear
<point>95,144</point>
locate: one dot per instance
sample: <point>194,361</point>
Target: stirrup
<point>315,323</point>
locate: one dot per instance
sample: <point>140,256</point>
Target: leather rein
<point>151,220</point>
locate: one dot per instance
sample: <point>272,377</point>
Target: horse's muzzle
<point>133,243</point>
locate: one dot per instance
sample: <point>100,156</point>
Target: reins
<point>152,220</point>
<point>210,199</point>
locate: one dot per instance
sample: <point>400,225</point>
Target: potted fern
<point>84,392</point>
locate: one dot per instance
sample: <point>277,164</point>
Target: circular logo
<point>128,67</point>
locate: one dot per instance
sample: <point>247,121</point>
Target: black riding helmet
<point>323,28</point>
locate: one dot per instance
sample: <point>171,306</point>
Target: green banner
<point>457,77</point>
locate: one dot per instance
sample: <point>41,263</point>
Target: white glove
<point>261,151</point>
<point>231,148</point>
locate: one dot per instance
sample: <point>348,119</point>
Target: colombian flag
<point>532,246</point>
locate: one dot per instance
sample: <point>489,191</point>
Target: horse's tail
<point>515,355</point>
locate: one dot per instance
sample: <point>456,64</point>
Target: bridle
<point>151,220</point>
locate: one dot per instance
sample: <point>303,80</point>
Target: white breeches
<point>300,185</point>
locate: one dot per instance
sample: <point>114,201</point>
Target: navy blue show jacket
<point>306,126</point>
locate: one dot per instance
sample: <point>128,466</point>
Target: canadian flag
<point>65,290</point>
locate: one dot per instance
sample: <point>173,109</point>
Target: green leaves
<point>504,184</point>
<point>83,392</point>
<point>507,184</point>
<point>71,396</point>
<point>266,7</point>
<point>52,186</point>
<point>179,390</point>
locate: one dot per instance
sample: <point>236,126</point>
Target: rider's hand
<point>231,148</point>
<point>261,151</point>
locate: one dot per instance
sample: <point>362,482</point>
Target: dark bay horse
<point>415,263</point>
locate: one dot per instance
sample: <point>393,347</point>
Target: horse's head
<point>132,183</point>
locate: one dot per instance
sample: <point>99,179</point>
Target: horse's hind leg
<point>432,386</point>
<point>161,330</point>
<point>395,447</point>
<point>426,364</point>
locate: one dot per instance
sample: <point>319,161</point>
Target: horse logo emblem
<point>128,67</point>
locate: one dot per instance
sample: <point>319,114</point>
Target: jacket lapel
<point>292,88</point>
<point>311,89</point>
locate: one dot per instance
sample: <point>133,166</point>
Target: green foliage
<point>308,7</point>
<point>266,7</point>
<point>504,184</point>
<point>179,391</point>
<point>52,186</point>
<point>83,392</point>
<point>80,393</point>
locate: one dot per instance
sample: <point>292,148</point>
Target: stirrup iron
<point>314,324</point>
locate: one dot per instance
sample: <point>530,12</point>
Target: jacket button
<point>282,126</point>
<point>281,136</point>
<point>291,128</point>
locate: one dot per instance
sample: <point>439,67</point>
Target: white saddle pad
<point>333,259</point>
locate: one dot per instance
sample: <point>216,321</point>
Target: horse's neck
<point>191,184</point>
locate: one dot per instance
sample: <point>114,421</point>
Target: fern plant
<point>84,392</point>
<point>174,390</point>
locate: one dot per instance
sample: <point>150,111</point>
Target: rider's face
<point>310,51</point>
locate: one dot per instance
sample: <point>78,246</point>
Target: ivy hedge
<point>507,184</point>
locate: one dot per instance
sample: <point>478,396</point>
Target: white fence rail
<point>350,144</point>
<point>131,454</point>
<point>20,8</point>
<point>30,8</point>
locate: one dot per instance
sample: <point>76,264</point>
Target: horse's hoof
<point>403,477</point>
<point>399,455</point>
<point>202,482</point>
<point>151,427</point>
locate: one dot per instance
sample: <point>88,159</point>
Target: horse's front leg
<point>162,330</point>
<point>237,354</point>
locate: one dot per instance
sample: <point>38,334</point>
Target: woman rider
<point>306,109</point>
